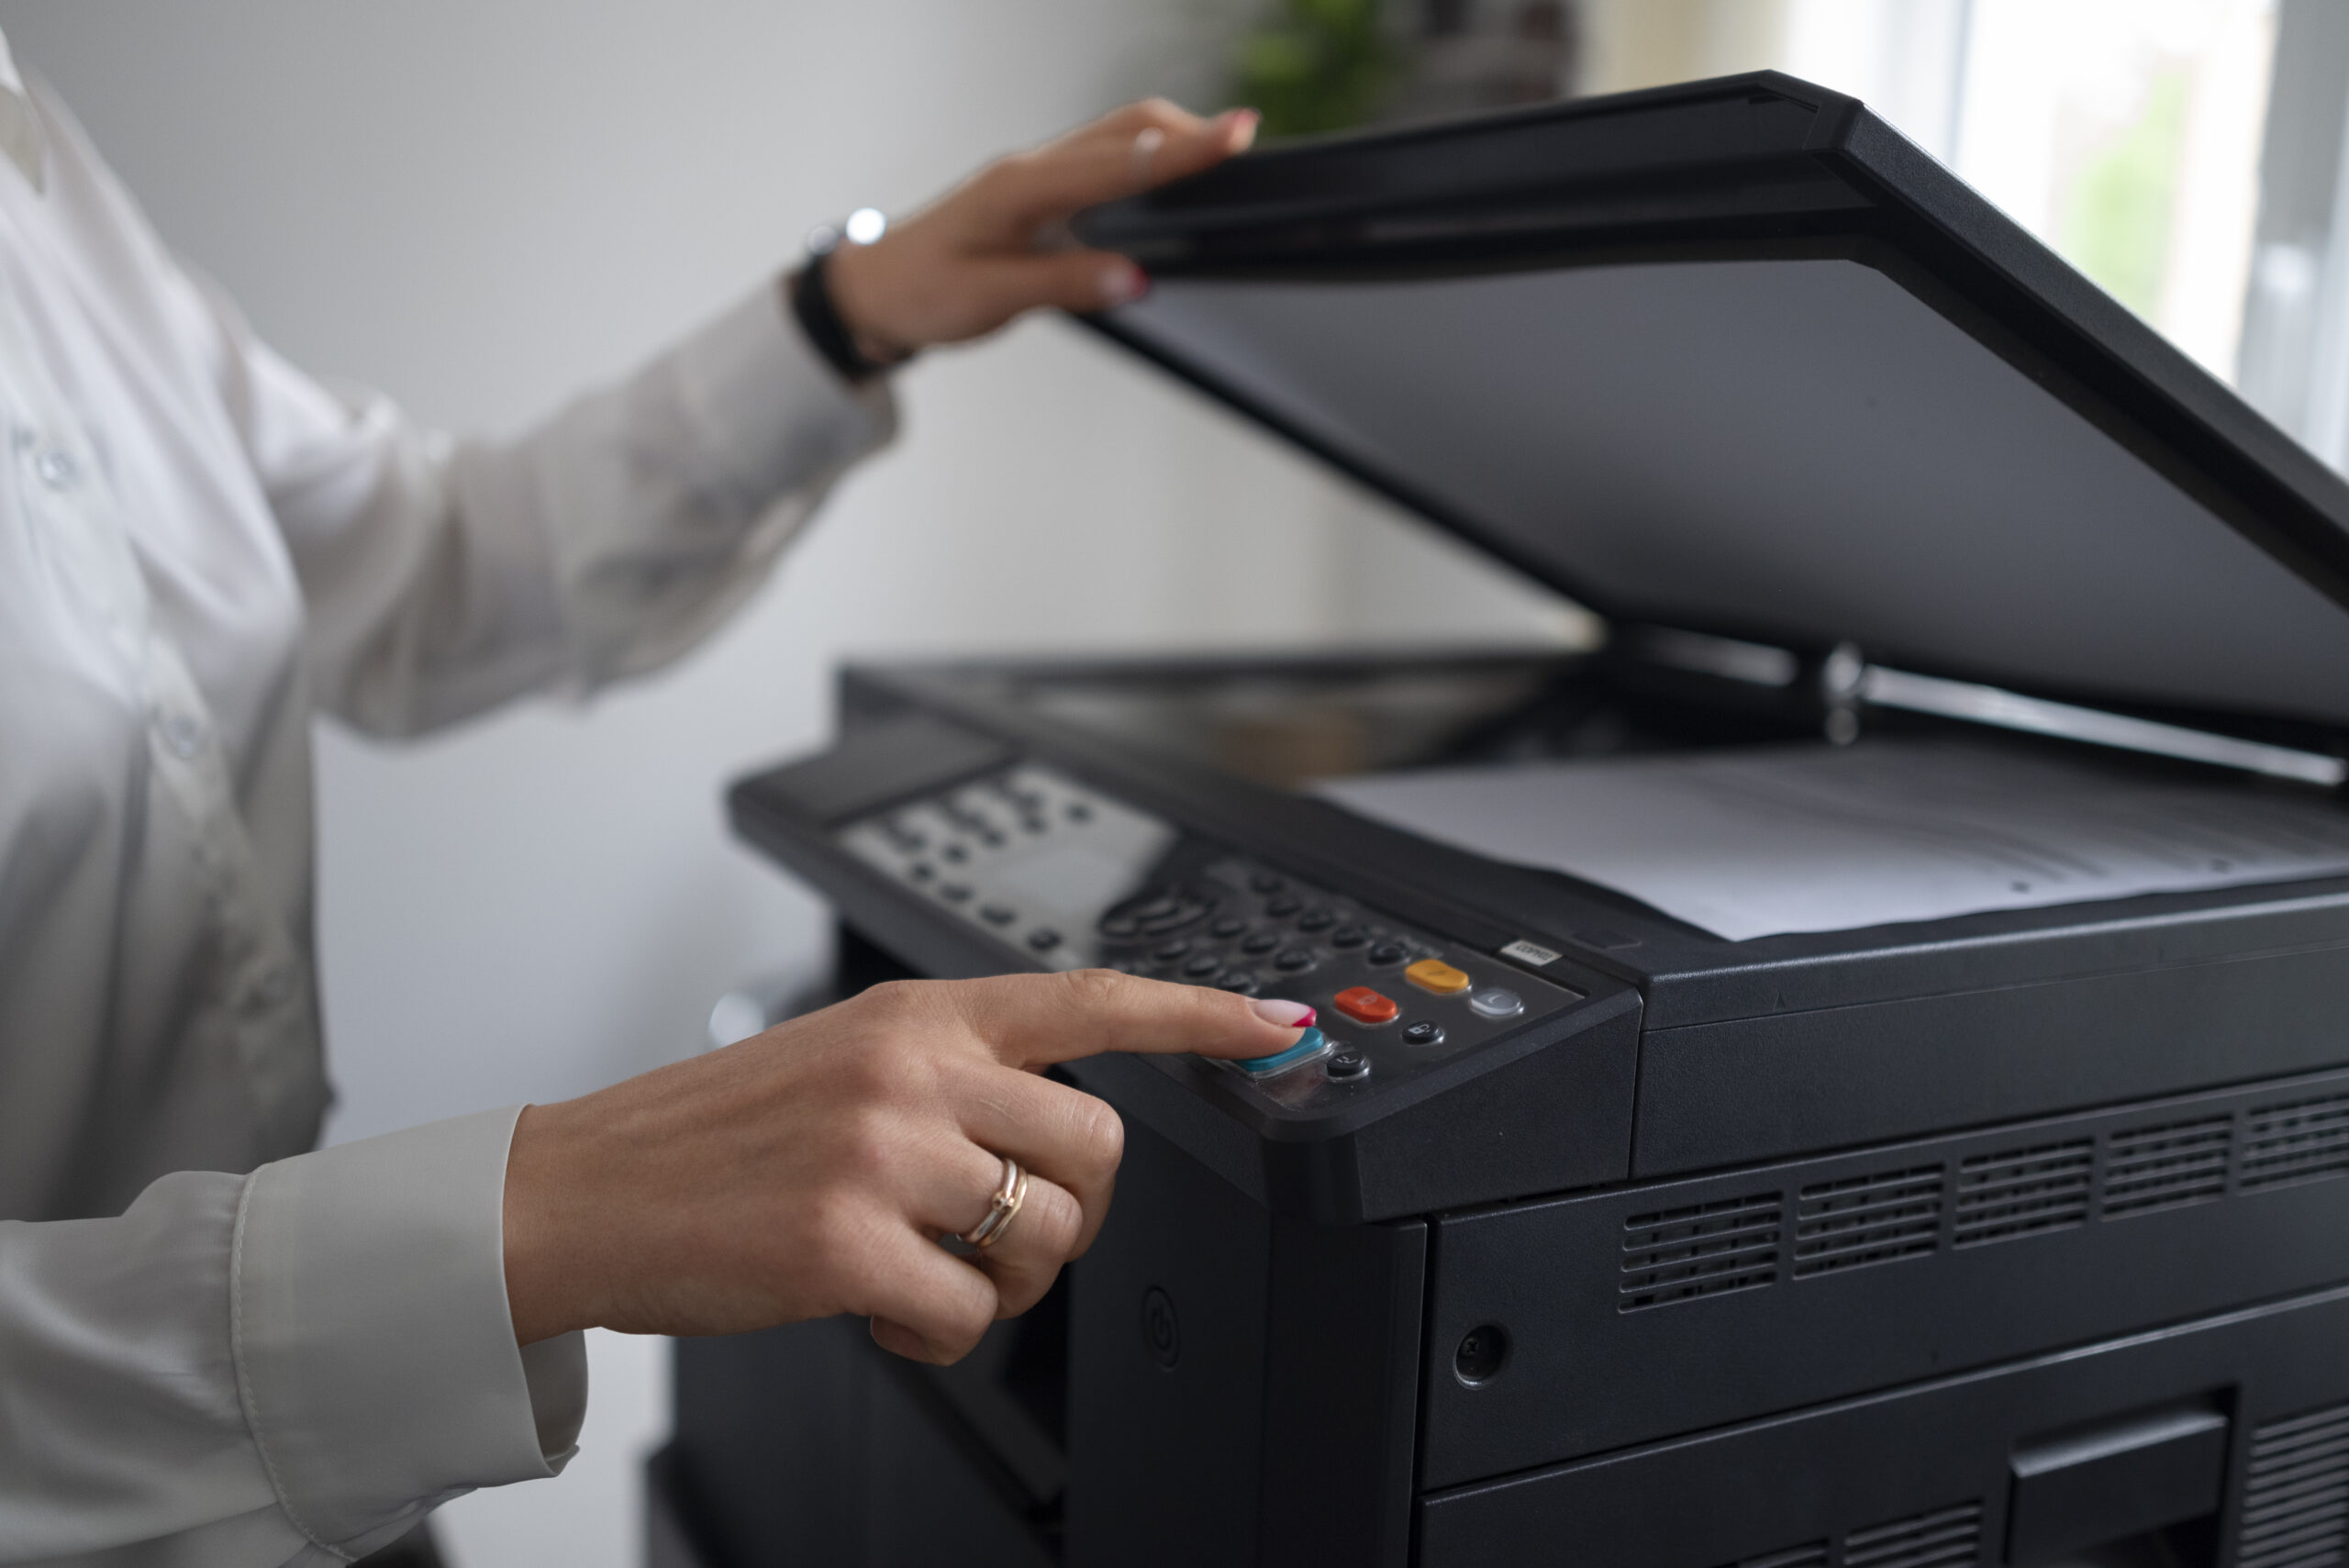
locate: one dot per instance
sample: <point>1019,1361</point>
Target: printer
<point>1595,1231</point>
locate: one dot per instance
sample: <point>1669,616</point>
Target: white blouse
<point>199,546</point>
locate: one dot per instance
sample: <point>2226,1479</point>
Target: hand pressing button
<point>1309,1044</point>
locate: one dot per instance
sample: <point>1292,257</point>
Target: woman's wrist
<point>856,352</point>
<point>541,1289</point>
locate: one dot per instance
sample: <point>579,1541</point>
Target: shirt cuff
<point>766,407</point>
<point>375,1348</point>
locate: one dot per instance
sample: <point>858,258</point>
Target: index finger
<point>1033,1020</point>
<point>1118,155</point>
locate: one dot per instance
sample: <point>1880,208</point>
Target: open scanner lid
<point>1737,357</point>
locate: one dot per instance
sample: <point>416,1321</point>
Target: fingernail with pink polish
<point>1287,1015</point>
<point>1123,283</point>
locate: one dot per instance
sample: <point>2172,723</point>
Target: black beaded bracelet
<point>812,306</point>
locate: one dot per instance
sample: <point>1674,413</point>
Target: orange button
<point>1434,974</point>
<point>1364,1005</point>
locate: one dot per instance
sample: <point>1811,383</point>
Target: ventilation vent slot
<point>1679,1254</point>
<point>1811,1556</point>
<point>2296,1143</point>
<point>1930,1541</point>
<point>2296,1495</point>
<point>1859,1220</point>
<point>2018,1191</point>
<point>2161,1167</point>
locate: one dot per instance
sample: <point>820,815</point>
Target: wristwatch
<point>810,295</point>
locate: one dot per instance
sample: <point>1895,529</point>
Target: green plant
<point>2117,227</point>
<point>1316,65</point>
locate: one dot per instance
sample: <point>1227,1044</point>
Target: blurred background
<point>481,206</point>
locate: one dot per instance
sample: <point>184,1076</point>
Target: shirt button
<point>57,469</point>
<point>183,734</point>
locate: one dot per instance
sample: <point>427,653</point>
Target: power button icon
<point>1159,1332</point>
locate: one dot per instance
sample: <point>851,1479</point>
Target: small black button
<point>1167,952</point>
<point>1077,811</point>
<point>1240,982</point>
<point>1423,1033</point>
<point>1230,925</point>
<point>1388,952</point>
<point>954,853</point>
<point>1119,926</point>
<point>998,915</point>
<point>921,870</point>
<point>990,838</point>
<point>952,892</point>
<point>1174,922</point>
<point>1347,1064</point>
<point>1316,920</point>
<point>1266,882</point>
<point>1155,909</point>
<point>1203,964</point>
<point>1044,939</point>
<point>1348,937</point>
<point>1260,942</point>
<point>1294,960</point>
<point>1281,909</point>
<point>1034,824</point>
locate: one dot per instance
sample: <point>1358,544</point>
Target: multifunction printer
<point>1590,1227</point>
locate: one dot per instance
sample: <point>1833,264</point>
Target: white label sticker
<point>1533,953</point>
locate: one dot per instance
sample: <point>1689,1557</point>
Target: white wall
<point>479,206</point>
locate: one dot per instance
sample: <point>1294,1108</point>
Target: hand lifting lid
<point>1736,357</point>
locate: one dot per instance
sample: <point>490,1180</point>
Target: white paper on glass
<point>1760,841</point>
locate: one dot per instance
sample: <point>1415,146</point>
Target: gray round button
<point>1495,1001</point>
<point>183,734</point>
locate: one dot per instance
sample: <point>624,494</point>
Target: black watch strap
<point>812,306</point>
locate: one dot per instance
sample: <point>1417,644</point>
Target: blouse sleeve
<point>289,1367</point>
<point>441,576</point>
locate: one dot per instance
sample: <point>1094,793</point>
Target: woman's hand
<point>811,1169</point>
<point>979,256</point>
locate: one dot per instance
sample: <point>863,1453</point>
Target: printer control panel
<point>1061,876</point>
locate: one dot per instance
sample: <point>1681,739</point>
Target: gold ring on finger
<point>1002,1210</point>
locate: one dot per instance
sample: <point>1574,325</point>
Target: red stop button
<point>1364,1005</point>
